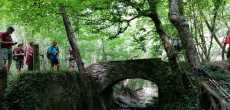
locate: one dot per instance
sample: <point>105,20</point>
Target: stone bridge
<point>98,94</point>
<point>107,74</point>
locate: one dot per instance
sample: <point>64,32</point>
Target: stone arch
<point>119,99</point>
<point>107,74</point>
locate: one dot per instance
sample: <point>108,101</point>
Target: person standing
<point>6,43</point>
<point>18,56</point>
<point>29,51</point>
<point>53,55</point>
<point>227,41</point>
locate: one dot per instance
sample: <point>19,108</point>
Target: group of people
<point>24,54</point>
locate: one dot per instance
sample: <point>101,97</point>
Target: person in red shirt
<point>29,56</point>
<point>6,44</point>
<point>227,41</point>
<point>18,56</point>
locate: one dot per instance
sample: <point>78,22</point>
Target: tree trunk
<point>104,55</point>
<point>198,44</point>
<point>71,38</point>
<point>203,41</point>
<point>171,54</point>
<point>36,60</point>
<point>223,51</point>
<point>186,36</point>
<point>3,74</point>
<point>212,25</point>
<point>3,81</point>
<point>88,102</point>
<point>199,37</point>
<point>211,28</point>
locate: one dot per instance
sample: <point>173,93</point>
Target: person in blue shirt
<point>53,54</point>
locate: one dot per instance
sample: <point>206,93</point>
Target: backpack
<point>177,44</point>
<point>15,58</point>
<point>48,53</point>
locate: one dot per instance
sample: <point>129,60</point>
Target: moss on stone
<point>44,91</point>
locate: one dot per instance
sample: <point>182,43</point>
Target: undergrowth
<point>29,90</point>
<point>189,98</point>
<point>217,73</point>
<point>25,91</point>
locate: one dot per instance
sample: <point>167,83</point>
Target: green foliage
<point>42,24</point>
<point>187,103</point>
<point>217,73</point>
<point>106,30</point>
<point>94,20</point>
<point>186,95</point>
